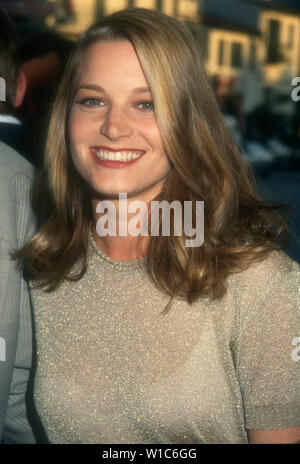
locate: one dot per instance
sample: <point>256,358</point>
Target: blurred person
<point>16,226</point>
<point>282,106</point>
<point>14,131</point>
<point>250,85</point>
<point>141,338</point>
<point>64,11</point>
<point>43,57</point>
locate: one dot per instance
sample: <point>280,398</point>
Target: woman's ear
<point>21,89</point>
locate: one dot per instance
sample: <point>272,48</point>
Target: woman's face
<point>114,138</point>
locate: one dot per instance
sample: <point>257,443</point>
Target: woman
<point>119,361</point>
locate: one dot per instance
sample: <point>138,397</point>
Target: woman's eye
<point>91,102</point>
<point>148,106</point>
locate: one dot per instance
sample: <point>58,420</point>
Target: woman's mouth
<point>115,158</point>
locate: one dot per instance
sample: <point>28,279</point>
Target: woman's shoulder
<point>267,293</point>
<point>259,276</point>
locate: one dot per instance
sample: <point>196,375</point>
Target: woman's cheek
<point>77,127</point>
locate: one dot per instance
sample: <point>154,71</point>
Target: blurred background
<point>251,51</point>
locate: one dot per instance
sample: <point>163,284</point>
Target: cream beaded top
<point>112,369</point>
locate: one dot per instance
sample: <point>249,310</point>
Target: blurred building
<point>251,48</point>
<point>280,27</point>
<point>79,14</point>
<point>249,45</point>
<point>231,42</point>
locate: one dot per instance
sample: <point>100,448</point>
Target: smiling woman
<point>142,339</point>
<point>114,137</point>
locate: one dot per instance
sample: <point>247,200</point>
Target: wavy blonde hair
<point>240,228</point>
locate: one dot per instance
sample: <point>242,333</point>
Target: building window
<point>159,5</point>
<point>290,36</point>
<point>273,33</point>
<point>236,55</point>
<point>252,56</point>
<point>221,52</point>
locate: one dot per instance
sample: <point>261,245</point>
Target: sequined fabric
<point>112,369</point>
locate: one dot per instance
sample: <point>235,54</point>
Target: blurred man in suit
<point>16,227</point>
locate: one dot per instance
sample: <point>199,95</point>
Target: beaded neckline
<point>136,263</point>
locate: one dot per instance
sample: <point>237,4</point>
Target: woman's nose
<point>116,124</point>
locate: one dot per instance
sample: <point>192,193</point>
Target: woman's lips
<point>115,163</point>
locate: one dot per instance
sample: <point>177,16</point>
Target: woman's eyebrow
<point>91,87</point>
<point>98,88</point>
<point>141,90</point>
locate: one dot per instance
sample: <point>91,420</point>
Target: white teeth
<point>117,155</point>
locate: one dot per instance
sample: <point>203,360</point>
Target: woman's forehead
<point>107,51</point>
<point>111,62</point>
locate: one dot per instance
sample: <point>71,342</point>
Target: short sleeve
<point>266,355</point>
